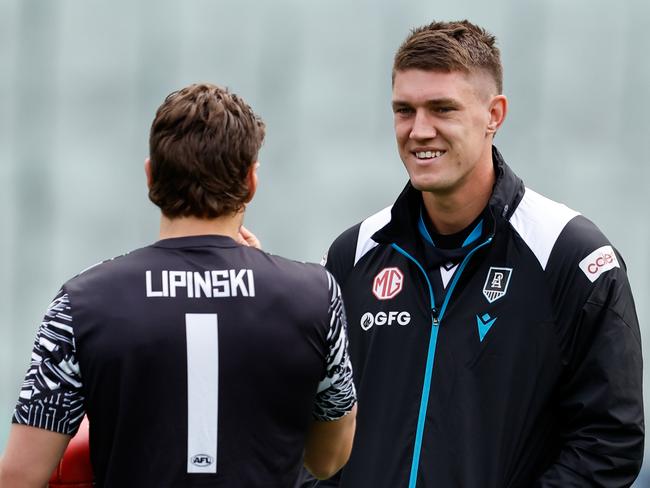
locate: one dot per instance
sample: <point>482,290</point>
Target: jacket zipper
<point>436,319</point>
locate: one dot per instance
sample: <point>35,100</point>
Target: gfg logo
<point>387,283</point>
<point>202,460</point>
<point>601,260</point>
<point>369,319</point>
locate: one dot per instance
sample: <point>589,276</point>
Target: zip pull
<point>434,315</point>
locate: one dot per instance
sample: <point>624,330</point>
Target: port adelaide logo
<point>496,283</point>
<point>388,283</point>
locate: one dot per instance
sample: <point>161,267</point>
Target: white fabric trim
<point>539,221</point>
<point>368,227</point>
<point>202,391</point>
<point>446,274</point>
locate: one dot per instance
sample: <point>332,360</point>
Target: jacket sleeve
<point>600,402</point>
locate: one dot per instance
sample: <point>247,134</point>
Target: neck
<point>194,226</point>
<point>454,211</point>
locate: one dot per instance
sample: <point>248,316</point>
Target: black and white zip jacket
<point>514,361</point>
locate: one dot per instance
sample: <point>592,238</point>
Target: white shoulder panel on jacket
<point>368,227</point>
<point>539,221</point>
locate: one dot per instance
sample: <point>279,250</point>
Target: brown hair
<point>202,144</point>
<point>450,46</point>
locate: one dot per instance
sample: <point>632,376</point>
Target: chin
<point>426,184</point>
<point>438,187</point>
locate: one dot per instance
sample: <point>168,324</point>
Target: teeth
<point>428,154</point>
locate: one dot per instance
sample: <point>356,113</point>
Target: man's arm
<point>31,456</point>
<point>600,402</point>
<point>330,436</point>
<point>50,406</point>
<point>329,444</point>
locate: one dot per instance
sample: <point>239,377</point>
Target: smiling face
<point>444,125</point>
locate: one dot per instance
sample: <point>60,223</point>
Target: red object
<point>388,283</point>
<point>74,470</point>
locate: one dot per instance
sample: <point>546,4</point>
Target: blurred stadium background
<point>80,81</point>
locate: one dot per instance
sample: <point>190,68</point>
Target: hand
<point>247,238</point>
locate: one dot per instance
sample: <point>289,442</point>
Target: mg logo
<point>388,283</point>
<point>202,460</point>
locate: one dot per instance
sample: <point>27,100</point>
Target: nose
<point>423,126</point>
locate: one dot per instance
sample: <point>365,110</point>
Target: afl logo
<point>388,283</point>
<point>202,460</point>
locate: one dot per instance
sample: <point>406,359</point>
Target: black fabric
<point>450,241</point>
<point>132,354</point>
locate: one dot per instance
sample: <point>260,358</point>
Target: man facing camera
<point>493,333</point>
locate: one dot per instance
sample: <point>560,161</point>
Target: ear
<point>147,171</point>
<point>498,111</point>
<point>252,181</point>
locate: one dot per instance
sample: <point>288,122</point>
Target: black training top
<point>512,360</point>
<point>199,362</point>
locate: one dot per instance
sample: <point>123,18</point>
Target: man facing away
<point>493,333</point>
<point>198,360</point>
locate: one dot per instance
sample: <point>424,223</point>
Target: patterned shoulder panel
<point>336,394</point>
<point>51,397</point>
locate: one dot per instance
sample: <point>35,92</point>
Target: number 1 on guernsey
<point>202,391</point>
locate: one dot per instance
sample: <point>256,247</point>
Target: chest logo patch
<point>496,283</point>
<point>388,283</point>
<point>484,324</point>
<point>392,317</point>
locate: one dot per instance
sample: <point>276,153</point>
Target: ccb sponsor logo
<point>369,319</point>
<point>601,260</point>
<point>388,283</point>
<point>202,460</point>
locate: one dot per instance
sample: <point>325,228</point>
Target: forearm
<point>31,456</point>
<point>19,478</point>
<point>329,445</point>
<point>581,469</point>
<point>601,406</point>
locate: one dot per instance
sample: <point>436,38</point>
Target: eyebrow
<point>448,102</point>
<point>436,102</point>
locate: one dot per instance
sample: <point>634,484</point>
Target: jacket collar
<point>507,192</point>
